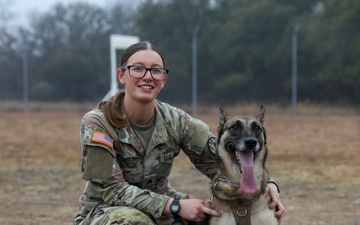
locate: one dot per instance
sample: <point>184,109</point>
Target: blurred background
<point>264,51</point>
<point>295,56</point>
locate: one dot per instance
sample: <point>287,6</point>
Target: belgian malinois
<point>237,188</point>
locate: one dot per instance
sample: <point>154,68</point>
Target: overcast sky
<point>23,8</point>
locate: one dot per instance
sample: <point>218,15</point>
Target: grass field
<point>314,158</point>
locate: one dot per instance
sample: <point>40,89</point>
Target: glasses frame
<point>146,70</point>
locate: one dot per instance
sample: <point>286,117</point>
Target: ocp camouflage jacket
<point>119,172</point>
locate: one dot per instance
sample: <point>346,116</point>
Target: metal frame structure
<point>120,42</point>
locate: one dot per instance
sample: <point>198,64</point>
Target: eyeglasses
<point>140,71</point>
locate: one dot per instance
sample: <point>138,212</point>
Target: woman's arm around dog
<point>272,190</point>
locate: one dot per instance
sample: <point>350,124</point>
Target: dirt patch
<point>313,158</point>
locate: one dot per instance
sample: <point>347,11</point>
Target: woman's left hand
<point>272,190</point>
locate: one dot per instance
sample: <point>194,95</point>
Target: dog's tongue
<point>247,182</point>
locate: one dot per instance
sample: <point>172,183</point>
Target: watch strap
<point>176,203</point>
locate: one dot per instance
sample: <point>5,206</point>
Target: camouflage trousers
<point>126,216</point>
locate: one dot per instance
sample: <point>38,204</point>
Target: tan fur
<point>228,198</point>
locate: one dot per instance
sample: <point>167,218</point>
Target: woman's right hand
<point>196,209</point>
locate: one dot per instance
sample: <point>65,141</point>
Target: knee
<point>128,215</point>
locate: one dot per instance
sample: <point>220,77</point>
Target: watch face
<point>175,208</point>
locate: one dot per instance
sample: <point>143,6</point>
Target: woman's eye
<point>138,68</point>
<point>156,71</point>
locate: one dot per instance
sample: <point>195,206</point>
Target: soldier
<point>129,143</point>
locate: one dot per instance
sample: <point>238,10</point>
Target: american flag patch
<point>100,137</point>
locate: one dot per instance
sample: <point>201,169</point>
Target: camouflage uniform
<point>125,182</point>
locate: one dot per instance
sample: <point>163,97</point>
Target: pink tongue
<point>247,182</point>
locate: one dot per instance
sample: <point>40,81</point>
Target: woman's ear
<point>120,75</point>
<point>164,81</point>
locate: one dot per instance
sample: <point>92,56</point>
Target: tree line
<point>244,49</point>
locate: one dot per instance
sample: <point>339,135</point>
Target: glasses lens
<point>140,71</point>
<point>158,73</point>
<point>137,71</point>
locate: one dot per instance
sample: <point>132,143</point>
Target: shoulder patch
<point>100,137</point>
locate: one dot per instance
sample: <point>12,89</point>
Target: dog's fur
<point>237,188</point>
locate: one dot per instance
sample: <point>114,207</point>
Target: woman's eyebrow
<point>143,64</point>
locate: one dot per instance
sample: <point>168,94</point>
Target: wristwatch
<point>175,206</point>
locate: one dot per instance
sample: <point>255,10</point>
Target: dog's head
<point>243,139</point>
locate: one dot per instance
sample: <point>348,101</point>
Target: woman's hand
<point>272,190</point>
<point>194,209</point>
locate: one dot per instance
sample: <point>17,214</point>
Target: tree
<point>255,48</point>
<point>66,36</point>
<point>243,47</point>
<point>170,25</point>
<point>122,13</point>
<point>333,37</point>
<point>10,56</point>
<point>73,76</point>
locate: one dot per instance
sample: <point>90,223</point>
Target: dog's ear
<point>261,115</point>
<point>223,116</point>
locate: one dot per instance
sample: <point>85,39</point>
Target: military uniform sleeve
<point>271,180</point>
<point>199,144</point>
<point>101,169</point>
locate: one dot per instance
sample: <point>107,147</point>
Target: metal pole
<point>25,81</point>
<point>194,68</point>
<point>113,76</point>
<point>294,69</point>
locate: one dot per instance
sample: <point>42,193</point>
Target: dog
<point>237,188</point>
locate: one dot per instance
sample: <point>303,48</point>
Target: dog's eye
<point>236,126</point>
<point>256,127</point>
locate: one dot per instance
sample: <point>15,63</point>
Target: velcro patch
<point>100,137</point>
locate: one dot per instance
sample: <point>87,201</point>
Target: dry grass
<point>314,158</point>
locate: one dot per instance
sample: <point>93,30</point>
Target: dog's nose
<point>250,142</point>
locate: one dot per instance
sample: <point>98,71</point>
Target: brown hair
<point>113,108</point>
<point>132,49</point>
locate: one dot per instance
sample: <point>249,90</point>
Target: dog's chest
<point>264,218</point>
<point>259,214</point>
<point>226,218</point>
